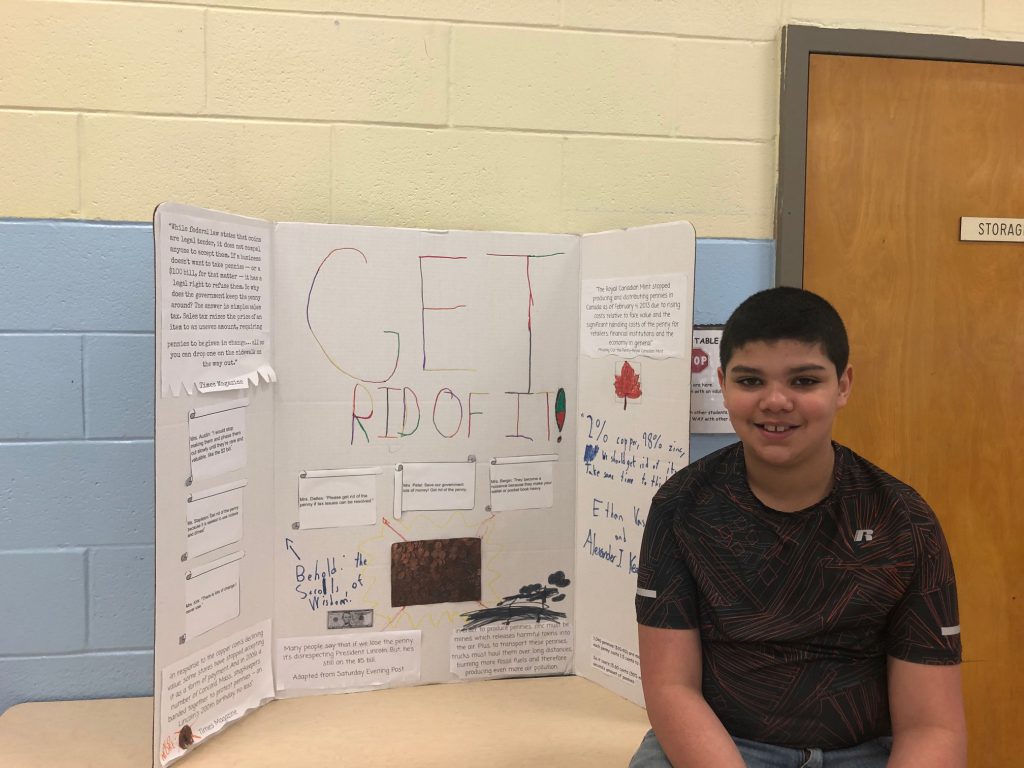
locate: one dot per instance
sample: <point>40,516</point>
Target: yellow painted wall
<point>553,115</point>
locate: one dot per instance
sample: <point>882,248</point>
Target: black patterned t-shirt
<point>798,611</point>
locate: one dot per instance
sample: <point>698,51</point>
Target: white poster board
<point>632,433</point>
<point>421,461</point>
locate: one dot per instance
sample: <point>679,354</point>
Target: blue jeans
<point>870,754</point>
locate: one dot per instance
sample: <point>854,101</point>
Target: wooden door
<point>897,151</point>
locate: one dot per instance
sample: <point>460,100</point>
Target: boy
<point>797,605</point>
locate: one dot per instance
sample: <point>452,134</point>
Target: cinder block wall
<point>547,115</point>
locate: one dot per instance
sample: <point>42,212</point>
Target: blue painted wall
<point>76,448</point>
<point>727,271</point>
<point>76,460</point>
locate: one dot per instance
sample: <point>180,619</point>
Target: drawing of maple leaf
<point>627,384</point>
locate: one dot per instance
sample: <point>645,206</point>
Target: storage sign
<point>982,228</point>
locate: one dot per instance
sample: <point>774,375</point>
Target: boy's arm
<point>687,729</point>
<point>927,710</point>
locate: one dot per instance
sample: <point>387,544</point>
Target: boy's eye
<point>805,381</point>
<point>748,381</point>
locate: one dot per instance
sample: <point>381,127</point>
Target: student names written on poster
<point>634,316</point>
<point>216,316</point>
<point>617,465</point>
<point>214,686</point>
<point>348,661</point>
<point>512,651</point>
<point>614,660</point>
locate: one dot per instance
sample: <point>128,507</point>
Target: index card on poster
<point>441,485</point>
<point>522,482</point>
<point>334,498</point>
<point>214,518</point>
<point>216,439</point>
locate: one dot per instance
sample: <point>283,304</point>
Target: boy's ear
<point>721,379</point>
<point>845,385</point>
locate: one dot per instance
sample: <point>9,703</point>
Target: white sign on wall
<point>707,409</point>
<point>988,229</point>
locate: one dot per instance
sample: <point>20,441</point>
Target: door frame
<point>798,43</point>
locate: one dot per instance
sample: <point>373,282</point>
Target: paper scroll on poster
<point>216,439</point>
<point>437,485</point>
<point>522,482</point>
<point>214,518</point>
<point>211,594</point>
<point>335,498</point>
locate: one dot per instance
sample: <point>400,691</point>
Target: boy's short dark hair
<point>786,313</point>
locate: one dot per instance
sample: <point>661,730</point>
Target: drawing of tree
<point>529,604</point>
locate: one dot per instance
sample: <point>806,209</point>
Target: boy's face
<point>782,397</point>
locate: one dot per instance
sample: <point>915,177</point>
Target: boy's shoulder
<point>856,474</point>
<point>862,481</point>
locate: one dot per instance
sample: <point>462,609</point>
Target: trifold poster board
<point>390,457</point>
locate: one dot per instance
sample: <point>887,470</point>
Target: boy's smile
<point>782,397</point>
